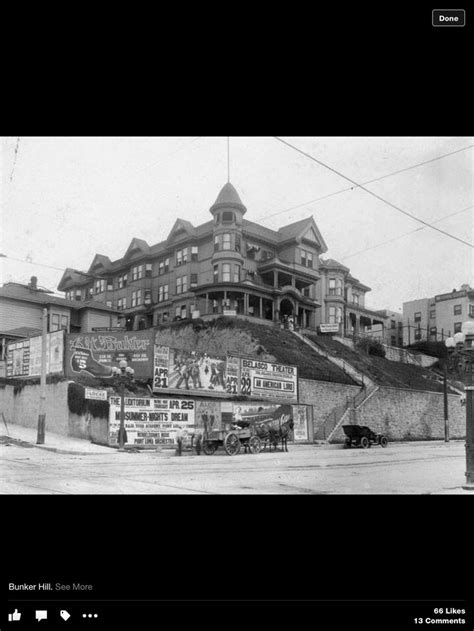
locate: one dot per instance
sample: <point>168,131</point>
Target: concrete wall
<point>410,415</point>
<point>22,409</point>
<point>323,396</point>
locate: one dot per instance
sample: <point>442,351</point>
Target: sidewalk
<point>53,442</point>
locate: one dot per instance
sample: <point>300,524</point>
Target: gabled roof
<point>73,275</point>
<point>181,225</point>
<point>304,229</point>
<point>100,260</point>
<point>136,246</point>
<point>356,281</point>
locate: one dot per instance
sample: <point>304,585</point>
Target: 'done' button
<point>449,17</point>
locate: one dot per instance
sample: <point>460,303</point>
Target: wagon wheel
<point>364,442</point>
<point>255,444</point>
<point>209,447</point>
<point>232,444</point>
<point>383,441</point>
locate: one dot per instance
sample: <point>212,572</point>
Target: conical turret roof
<point>228,198</point>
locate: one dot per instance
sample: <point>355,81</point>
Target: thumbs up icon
<point>15,616</point>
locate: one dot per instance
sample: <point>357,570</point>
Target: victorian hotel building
<point>227,266</point>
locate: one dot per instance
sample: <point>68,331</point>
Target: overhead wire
<point>361,186</point>
<point>377,179</point>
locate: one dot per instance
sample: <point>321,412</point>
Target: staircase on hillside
<point>342,413</point>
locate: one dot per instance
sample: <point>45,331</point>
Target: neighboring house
<point>228,266</point>
<point>22,306</point>
<point>439,317</point>
<point>391,332</point>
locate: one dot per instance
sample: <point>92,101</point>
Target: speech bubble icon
<point>41,614</point>
<point>64,614</point>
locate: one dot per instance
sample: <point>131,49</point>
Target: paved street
<point>401,468</point>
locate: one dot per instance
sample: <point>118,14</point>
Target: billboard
<point>24,357</point>
<point>150,422</point>
<point>192,371</point>
<point>301,419</point>
<point>201,373</point>
<point>267,380</point>
<point>96,354</point>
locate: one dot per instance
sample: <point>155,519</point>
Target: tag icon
<point>64,614</point>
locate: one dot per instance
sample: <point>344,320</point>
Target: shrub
<point>370,347</point>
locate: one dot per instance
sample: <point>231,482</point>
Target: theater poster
<point>151,422</point>
<point>189,371</point>
<point>95,354</point>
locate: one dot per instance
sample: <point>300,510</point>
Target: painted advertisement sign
<point>24,358</point>
<point>151,422</point>
<point>96,354</point>
<point>267,380</point>
<point>192,371</point>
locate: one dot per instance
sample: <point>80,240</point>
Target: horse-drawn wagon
<point>362,436</point>
<point>232,441</point>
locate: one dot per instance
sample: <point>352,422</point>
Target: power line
<point>377,179</point>
<point>5,256</point>
<point>361,186</point>
<point>372,247</point>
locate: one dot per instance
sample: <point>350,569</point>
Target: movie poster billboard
<point>272,415</point>
<point>301,420</point>
<point>149,422</point>
<point>95,354</point>
<point>24,357</point>
<point>267,380</point>
<point>189,371</point>
<point>208,415</point>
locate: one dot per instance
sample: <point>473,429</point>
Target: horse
<point>282,434</point>
<point>266,435</point>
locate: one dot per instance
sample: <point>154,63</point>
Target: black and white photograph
<point>237,315</point>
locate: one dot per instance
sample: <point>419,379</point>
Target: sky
<point>64,199</point>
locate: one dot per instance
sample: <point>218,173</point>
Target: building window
<point>181,284</point>
<point>457,327</point>
<point>162,293</point>
<point>136,298</point>
<point>216,273</point>
<point>417,334</point>
<point>78,294</point>
<point>216,243</point>
<point>226,241</point>
<point>55,319</point>
<point>215,306</point>
<point>471,311</point>
<point>64,322</point>
<point>100,286</point>
<point>236,273</point>
<point>184,312</point>
<point>393,340</point>
<point>121,304</point>
<point>181,256</point>
<point>194,253</point>
<point>433,331</point>
<point>306,258</point>
<point>335,315</point>
<point>148,270</point>
<point>355,298</point>
<point>457,309</point>
<point>137,272</point>
<point>108,303</point>
<point>193,280</point>
<point>228,217</point>
<point>306,291</point>
<point>335,287</point>
<point>226,273</point>
<point>122,281</point>
<point>164,267</point>
<point>433,314</point>
<point>237,243</point>
<point>418,316</point>
<point>392,324</point>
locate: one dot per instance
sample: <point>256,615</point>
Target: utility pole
<point>42,405</point>
<point>445,392</point>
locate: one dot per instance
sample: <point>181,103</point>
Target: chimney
<point>34,282</point>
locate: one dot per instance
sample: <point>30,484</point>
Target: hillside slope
<point>383,371</point>
<point>226,335</point>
